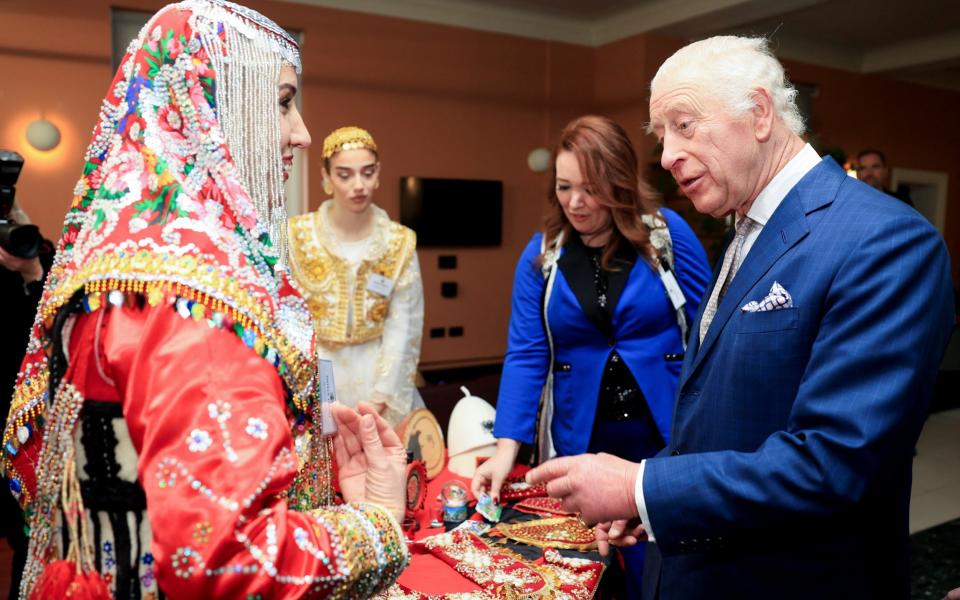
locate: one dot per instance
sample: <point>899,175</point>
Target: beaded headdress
<point>348,138</point>
<point>285,45</point>
<point>179,207</point>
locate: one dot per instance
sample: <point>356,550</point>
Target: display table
<point>508,565</point>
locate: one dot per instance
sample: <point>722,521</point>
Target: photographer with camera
<point>25,259</point>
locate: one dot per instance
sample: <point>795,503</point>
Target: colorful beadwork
<point>162,212</point>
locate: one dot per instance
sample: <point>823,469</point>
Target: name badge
<point>328,395</point>
<point>378,284</point>
<point>673,289</point>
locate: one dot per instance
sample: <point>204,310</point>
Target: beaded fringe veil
<point>248,110</point>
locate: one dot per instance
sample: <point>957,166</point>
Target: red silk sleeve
<point>206,416</point>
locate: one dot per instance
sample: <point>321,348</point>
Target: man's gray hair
<point>730,68</point>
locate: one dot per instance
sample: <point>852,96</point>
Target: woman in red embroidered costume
<point>163,436</point>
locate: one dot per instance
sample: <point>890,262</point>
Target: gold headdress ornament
<point>348,138</point>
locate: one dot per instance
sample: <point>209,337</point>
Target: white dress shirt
<point>762,209</point>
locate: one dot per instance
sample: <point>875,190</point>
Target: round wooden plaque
<point>421,435</point>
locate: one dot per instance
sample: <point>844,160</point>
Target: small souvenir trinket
<point>475,527</point>
<point>454,498</point>
<point>489,509</point>
<point>436,515</point>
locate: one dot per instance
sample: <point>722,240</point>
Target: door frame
<point>937,179</point>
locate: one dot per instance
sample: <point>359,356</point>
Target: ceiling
<point>915,40</point>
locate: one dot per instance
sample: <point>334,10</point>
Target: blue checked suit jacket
<point>788,470</point>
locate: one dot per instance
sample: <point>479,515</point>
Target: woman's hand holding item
<point>489,476</point>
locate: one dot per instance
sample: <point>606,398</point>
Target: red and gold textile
<point>516,488</point>
<point>544,506</point>
<point>553,532</point>
<point>503,575</point>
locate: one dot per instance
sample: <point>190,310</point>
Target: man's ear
<point>763,114</point>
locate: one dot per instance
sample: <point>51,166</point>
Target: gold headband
<point>348,138</point>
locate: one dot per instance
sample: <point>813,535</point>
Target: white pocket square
<point>776,299</point>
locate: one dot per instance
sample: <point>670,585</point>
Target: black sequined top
<point>620,396</point>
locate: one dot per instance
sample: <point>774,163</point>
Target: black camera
<point>18,239</point>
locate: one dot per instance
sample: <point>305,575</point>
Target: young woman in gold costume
<point>358,271</point>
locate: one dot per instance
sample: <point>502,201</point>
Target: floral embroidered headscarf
<point>169,212</point>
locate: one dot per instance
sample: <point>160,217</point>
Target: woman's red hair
<point>609,167</point>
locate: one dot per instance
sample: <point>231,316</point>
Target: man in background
<point>872,170</point>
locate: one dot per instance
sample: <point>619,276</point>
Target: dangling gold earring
<point>327,188</point>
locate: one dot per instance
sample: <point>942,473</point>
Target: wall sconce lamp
<point>539,160</point>
<point>43,135</point>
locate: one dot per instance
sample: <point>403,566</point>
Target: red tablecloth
<point>426,573</point>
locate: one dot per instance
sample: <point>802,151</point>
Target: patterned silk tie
<point>731,262</point>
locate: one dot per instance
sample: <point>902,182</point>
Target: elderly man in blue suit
<point>809,369</point>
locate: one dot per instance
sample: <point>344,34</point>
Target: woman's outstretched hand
<point>371,459</point>
<point>489,477</point>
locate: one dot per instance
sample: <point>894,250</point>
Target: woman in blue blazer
<point>617,335</point>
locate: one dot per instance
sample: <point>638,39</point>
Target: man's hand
<point>953,594</point>
<point>619,533</point>
<point>598,486</point>
<point>29,268</point>
<point>371,459</point>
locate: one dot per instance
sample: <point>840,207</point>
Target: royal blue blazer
<point>644,332</point>
<point>788,470</point>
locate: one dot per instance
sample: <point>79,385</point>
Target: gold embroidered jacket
<point>324,277</point>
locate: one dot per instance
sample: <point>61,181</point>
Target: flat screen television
<point>452,212</point>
